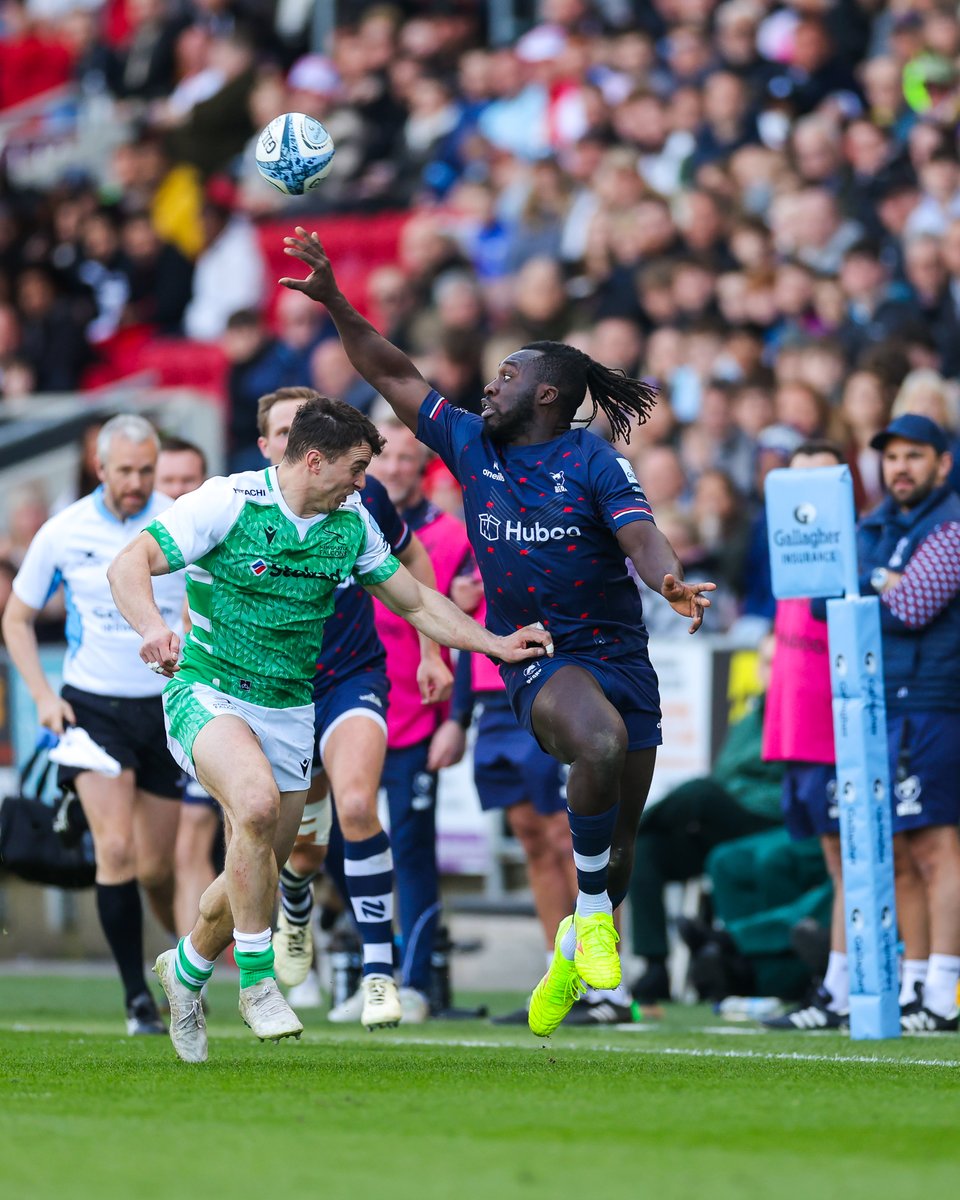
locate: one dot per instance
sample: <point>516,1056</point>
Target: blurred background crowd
<point>754,204</point>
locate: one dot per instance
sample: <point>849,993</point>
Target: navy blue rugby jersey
<point>543,522</point>
<point>350,641</point>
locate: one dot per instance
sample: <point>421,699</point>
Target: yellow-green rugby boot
<point>557,991</point>
<point>596,959</point>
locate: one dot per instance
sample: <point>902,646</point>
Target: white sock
<point>940,987</point>
<point>253,943</point>
<point>568,943</point>
<point>194,957</point>
<point>589,903</point>
<point>618,995</point>
<point>912,972</point>
<point>837,981</point>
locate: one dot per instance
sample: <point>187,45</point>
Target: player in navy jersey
<point>553,513</point>
<point>350,704</point>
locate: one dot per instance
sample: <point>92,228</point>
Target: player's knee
<point>558,835</point>
<point>306,857</point>
<point>260,812</point>
<point>190,853</point>
<point>115,857</point>
<point>534,840</point>
<point>357,813</point>
<point>604,748</point>
<point>155,875</point>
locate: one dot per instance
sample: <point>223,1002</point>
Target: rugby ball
<point>294,153</point>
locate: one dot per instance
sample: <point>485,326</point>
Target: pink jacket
<point>798,719</point>
<point>409,721</point>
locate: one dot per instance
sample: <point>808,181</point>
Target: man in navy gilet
<point>909,553</point>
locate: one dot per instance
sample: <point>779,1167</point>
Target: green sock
<point>188,969</point>
<point>255,966</point>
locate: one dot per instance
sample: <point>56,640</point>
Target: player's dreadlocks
<point>612,392</point>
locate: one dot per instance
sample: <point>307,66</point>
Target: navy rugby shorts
<point>630,684</point>
<point>508,765</point>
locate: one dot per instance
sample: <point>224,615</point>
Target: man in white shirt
<point>109,692</point>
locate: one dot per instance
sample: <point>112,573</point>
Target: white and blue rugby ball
<point>294,153</point>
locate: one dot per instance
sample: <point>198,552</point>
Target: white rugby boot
<point>306,994</point>
<point>188,1026</point>
<point>414,1005</point>
<point>292,951</point>
<point>347,1010</point>
<point>381,1002</point>
<point>266,1012</point>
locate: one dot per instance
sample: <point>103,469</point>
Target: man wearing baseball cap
<point>909,554</point>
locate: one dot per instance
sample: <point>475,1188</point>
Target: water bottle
<point>748,1008</point>
<point>440,993</point>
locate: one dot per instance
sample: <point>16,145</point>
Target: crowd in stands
<point>755,205</point>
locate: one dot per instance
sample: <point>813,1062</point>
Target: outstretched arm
<point>129,576</point>
<point>440,619</point>
<point>656,563</point>
<point>381,364</point>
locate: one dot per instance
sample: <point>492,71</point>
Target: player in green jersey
<point>264,552</point>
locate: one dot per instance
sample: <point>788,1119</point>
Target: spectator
<point>215,130</point>
<point>231,252</point>
<point>332,374</point>
<point>258,363</point>
<point>865,410</point>
<point>874,313</point>
<point>144,69</point>
<point>764,888</point>
<point>159,277</point>
<point>51,337</point>
<point>102,269</point>
<point>728,121</point>
<point>907,556</point>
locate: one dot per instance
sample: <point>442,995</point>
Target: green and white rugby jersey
<point>261,581</point>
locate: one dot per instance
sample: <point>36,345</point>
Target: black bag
<point>30,847</point>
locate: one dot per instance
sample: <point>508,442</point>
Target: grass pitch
<point>685,1107</point>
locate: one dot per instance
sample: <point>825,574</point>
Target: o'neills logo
<point>492,528</point>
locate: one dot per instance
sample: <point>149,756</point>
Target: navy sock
<point>592,836</point>
<point>296,895</point>
<point>368,869</point>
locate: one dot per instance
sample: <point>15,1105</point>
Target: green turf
<point>457,1111</point>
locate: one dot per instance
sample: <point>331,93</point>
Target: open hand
<point>687,598</point>
<point>532,641</point>
<point>320,284</point>
<point>161,651</point>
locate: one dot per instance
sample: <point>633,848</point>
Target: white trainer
<point>188,1026</point>
<point>414,1005</point>
<point>381,1002</point>
<point>347,1010</point>
<point>292,950</point>
<point>306,994</point>
<point>265,1011</point>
